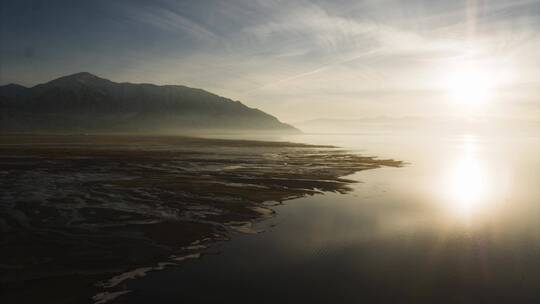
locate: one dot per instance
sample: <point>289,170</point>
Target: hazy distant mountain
<point>86,103</point>
<point>380,123</point>
<point>425,125</point>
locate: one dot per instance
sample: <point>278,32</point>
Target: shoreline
<point>130,194</point>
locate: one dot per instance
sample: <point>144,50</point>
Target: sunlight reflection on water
<point>458,224</point>
<point>467,184</point>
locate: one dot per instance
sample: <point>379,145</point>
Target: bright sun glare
<point>470,85</point>
<point>467,185</point>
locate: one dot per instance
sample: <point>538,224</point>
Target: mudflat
<point>80,214</point>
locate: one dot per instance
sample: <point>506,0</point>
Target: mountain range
<point>84,102</point>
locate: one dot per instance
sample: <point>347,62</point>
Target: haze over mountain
<point>425,125</point>
<point>83,102</point>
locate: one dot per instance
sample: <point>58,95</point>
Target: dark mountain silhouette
<point>83,102</point>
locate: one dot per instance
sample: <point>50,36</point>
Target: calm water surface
<point>459,224</point>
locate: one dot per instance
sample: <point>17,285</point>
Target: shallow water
<point>459,224</point>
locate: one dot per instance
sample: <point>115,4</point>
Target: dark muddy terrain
<point>81,214</point>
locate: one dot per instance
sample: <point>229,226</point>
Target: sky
<point>297,60</point>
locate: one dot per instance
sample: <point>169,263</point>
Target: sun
<point>469,84</point>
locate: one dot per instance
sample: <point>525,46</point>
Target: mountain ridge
<point>83,102</point>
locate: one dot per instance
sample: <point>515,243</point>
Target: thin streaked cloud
<point>282,55</point>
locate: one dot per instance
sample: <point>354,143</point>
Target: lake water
<point>459,224</point>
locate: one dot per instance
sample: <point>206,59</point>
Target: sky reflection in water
<point>458,224</point>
